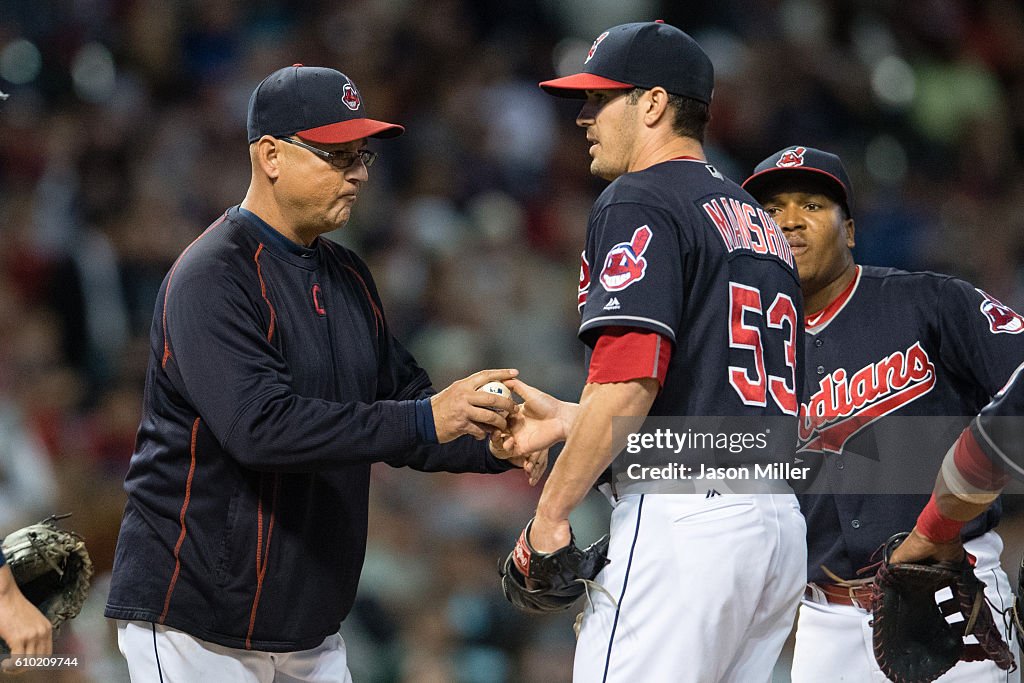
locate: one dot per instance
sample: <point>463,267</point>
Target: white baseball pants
<point>705,590</point>
<point>833,642</point>
<point>158,654</point>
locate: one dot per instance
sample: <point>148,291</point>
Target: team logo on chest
<point>1001,318</point>
<point>625,263</point>
<point>843,406</point>
<point>318,300</point>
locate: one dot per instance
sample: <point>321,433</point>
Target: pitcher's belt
<point>858,596</point>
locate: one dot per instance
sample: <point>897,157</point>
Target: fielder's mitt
<point>51,567</point>
<point>559,578</point>
<point>912,640</point>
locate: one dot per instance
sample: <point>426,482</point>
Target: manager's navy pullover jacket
<point>272,386</point>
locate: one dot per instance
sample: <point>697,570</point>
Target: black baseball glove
<point>52,569</point>
<point>557,579</point>
<point>912,640</point>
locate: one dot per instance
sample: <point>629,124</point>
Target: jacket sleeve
<point>220,358</point>
<point>464,454</point>
<point>401,378</point>
<point>407,380</point>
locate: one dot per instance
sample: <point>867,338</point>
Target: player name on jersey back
<point>742,225</point>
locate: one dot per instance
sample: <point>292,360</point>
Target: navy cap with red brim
<point>644,55</point>
<point>353,129</point>
<point>576,85</point>
<point>801,164</point>
<point>317,103</point>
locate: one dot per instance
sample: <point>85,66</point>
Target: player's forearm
<point>969,480</point>
<point>568,413</point>
<point>591,445</point>
<point>953,507</point>
<point>8,586</point>
<point>965,487</point>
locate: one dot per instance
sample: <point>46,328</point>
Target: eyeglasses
<point>340,160</point>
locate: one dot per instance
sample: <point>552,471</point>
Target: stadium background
<point>124,136</point>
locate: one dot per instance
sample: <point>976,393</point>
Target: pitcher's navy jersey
<point>898,344</point>
<point>680,250</point>
<point>273,384</point>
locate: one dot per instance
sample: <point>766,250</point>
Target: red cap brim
<point>573,86</point>
<point>353,129</point>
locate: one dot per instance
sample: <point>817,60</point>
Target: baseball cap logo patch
<point>350,97</point>
<point>625,263</point>
<point>593,48</point>
<point>792,157</point>
<point>1001,318</point>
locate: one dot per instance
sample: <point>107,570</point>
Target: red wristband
<point>936,527</point>
<point>521,554</point>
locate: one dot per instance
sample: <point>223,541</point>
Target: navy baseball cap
<point>799,161</point>
<point>641,55</point>
<point>316,103</point>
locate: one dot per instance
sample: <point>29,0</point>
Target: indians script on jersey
<point>844,404</point>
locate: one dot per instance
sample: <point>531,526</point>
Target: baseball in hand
<point>499,389</point>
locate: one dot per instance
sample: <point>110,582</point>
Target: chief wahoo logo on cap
<point>350,96</point>
<point>792,157</point>
<point>593,48</point>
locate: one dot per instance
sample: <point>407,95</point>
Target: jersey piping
<point>262,553</point>
<point>592,322</point>
<point>167,290</point>
<point>819,321</point>
<point>181,519</point>
<point>622,594</point>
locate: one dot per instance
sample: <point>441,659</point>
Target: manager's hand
<point>461,409</point>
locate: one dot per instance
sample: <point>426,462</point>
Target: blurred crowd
<point>123,137</point>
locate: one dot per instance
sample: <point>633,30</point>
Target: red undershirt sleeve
<point>622,354</point>
<point>975,466</point>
